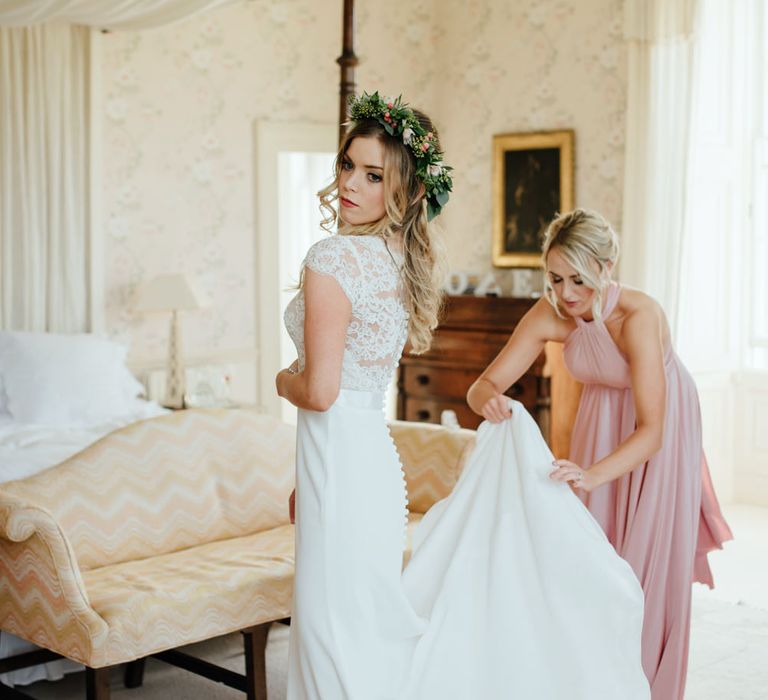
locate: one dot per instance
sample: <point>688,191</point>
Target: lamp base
<point>175,383</point>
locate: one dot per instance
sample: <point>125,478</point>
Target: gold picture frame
<point>532,181</point>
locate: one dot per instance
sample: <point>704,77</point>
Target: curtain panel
<point>105,14</point>
<point>44,197</point>
<point>656,20</point>
<point>659,35</point>
<point>45,151</point>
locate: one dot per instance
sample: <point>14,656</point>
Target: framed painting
<point>532,181</point>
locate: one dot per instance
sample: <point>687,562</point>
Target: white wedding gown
<point>512,590</point>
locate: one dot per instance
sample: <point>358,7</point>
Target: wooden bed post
<point>347,61</point>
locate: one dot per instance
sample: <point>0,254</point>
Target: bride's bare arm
<point>326,318</point>
<point>485,397</point>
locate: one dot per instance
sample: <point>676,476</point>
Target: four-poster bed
<point>98,687</point>
<point>347,61</point>
<point>21,24</point>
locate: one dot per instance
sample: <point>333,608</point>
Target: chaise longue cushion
<point>171,531</point>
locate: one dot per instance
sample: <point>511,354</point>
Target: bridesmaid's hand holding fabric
<point>572,474</point>
<point>497,409</point>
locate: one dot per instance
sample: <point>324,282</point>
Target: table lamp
<point>170,293</point>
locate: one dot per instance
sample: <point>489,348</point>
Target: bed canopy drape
<point>46,131</point>
<point>103,14</point>
<point>47,221</point>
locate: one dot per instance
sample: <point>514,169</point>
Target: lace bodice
<point>370,277</point>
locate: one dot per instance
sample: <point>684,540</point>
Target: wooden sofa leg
<point>97,683</point>
<point>255,641</point>
<point>134,673</point>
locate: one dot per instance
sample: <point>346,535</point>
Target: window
<point>723,323</point>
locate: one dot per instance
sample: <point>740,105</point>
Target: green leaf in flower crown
<point>400,118</point>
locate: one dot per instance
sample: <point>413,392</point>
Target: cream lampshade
<point>170,293</point>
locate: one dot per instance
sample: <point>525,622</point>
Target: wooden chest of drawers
<point>472,332</point>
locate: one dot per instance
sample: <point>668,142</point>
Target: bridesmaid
<point>636,448</point>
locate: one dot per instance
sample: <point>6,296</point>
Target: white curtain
<point>44,178</point>
<point>660,56</point>
<point>45,151</point>
<point>726,226</point>
<point>105,14</point>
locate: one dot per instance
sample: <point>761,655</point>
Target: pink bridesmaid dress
<point>662,517</point>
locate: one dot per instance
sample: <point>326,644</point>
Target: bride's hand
<point>497,409</point>
<point>281,375</point>
<point>572,474</point>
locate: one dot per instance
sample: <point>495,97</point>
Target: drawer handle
<point>517,389</point>
<point>422,379</point>
<point>422,414</point>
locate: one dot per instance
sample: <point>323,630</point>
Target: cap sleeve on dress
<point>334,256</point>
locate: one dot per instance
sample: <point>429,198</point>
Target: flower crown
<point>399,120</point>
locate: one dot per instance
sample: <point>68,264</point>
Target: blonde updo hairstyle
<point>589,245</point>
<point>405,214</point>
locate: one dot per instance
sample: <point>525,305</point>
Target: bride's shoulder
<point>334,247</point>
<point>333,256</point>
<point>328,244</point>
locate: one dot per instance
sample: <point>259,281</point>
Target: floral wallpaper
<point>180,103</point>
<point>179,108</point>
<point>527,66</point>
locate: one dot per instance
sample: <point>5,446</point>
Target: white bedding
<point>26,449</point>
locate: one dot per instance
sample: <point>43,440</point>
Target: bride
<point>512,590</point>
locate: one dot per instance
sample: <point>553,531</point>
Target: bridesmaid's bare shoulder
<point>544,321</point>
<point>633,301</point>
<point>636,305</point>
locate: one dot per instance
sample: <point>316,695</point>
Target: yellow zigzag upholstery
<point>432,458</point>
<point>171,531</point>
<point>158,486</point>
<point>167,531</point>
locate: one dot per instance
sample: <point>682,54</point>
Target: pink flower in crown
<point>425,146</point>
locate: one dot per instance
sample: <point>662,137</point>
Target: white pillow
<point>65,380</point>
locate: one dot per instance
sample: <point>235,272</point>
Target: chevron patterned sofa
<point>167,532</point>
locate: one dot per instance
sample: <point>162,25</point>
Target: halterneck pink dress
<point>663,516</point>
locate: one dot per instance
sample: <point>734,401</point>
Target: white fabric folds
<point>659,37</point>
<point>44,179</point>
<point>512,592</point>
<point>652,20</point>
<point>47,98</point>
<point>522,590</point>
<point>106,14</point>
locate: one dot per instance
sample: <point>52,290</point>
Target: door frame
<point>271,139</point>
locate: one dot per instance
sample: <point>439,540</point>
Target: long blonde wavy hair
<point>405,214</point>
<point>589,245</point>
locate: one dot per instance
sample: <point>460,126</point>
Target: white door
<point>293,162</point>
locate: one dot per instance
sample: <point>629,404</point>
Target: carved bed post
<point>347,61</point>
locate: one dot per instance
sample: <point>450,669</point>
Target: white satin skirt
<point>512,591</point>
<point>352,629</point>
